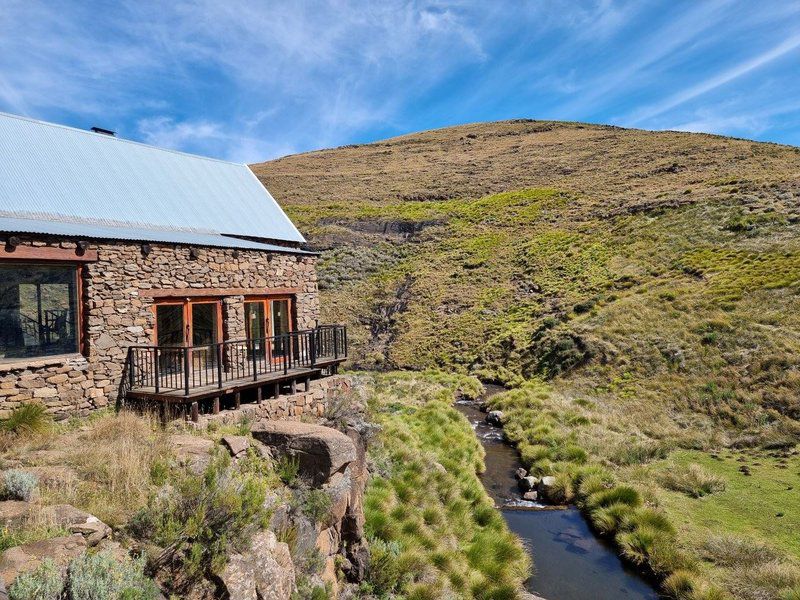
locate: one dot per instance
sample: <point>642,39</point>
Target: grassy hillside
<point>648,281</point>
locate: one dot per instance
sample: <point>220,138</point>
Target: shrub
<point>287,469</point>
<point>316,505</point>
<point>101,577</point>
<point>693,480</point>
<point>28,419</point>
<point>19,485</point>
<point>203,514</point>
<point>44,583</point>
<point>383,573</point>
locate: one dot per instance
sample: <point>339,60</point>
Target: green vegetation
<point>30,418</point>
<point>434,531</point>
<point>97,576</point>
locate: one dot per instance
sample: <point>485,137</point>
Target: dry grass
<point>693,480</point>
<point>103,466</point>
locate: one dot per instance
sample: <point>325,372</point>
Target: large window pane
<point>38,310</point>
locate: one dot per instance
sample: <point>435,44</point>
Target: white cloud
<point>718,80</point>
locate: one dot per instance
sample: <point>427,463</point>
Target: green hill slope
<point>652,279</point>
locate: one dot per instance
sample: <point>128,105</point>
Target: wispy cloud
<point>726,76</point>
<point>248,81</point>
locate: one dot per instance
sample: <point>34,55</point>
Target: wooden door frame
<point>186,304</point>
<point>267,300</point>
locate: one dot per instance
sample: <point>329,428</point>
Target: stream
<point>570,562</point>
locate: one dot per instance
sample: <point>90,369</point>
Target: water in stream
<point>570,562</point>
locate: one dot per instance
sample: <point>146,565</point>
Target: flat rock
<point>531,496</point>
<point>321,451</point>
<point>192,450</point>
<point>25,558</point>
<point>520,473</point>
<point>236,444</point>
<point>14,513</point>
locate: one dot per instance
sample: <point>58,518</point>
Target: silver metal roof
<point>60,178</point>
<point>107,232</point>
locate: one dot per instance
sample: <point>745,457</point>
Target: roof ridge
<point>118,139</point>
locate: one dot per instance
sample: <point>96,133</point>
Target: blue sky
<point>249,81</point>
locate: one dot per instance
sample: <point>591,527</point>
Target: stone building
<point>133,273</point>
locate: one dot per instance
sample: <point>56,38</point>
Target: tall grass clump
<point>434,531</point>
<point>28,419</point>
<point>692,480</point>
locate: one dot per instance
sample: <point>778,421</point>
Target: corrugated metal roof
<point>107,232</point>
<point>55,174</point>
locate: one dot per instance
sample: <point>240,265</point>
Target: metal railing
<point>175,368</point>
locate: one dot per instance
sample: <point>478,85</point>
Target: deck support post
<point>308,382</point>
<point>215,405</point>
<point>294,386</point>
<point>259,394</point>
<point>276,387</point>
<point>195,412</point>
<point>237,400</point>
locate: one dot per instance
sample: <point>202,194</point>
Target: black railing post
<point>131,361</point>
<point>186,370</point>
<point>335,344</point>
<point>255,359</point>
<point>156,374</point>
<point>313,350</point>
<point>286,353</point>
<point>219,365</point>
<point>344,331</point>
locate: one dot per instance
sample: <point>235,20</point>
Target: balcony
<point>189,374</point>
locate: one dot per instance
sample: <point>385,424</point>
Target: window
<point>38,310</point>
<point>265,318</point>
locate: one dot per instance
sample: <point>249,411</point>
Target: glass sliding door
<point>281,324</point>
<point>255,320</point>
<point>169,325</point>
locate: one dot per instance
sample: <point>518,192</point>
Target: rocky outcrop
<point>25,558</point>
<point>495,417</point>
<point>14,514</point>
<point>321,451</point>
<point>263,572</point>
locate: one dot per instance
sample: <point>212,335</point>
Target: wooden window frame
<point>44,260</point>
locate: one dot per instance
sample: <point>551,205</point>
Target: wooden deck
<point>233,386</point>
<point>176,377</point>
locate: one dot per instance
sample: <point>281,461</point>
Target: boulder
<point>520,473</point>
<point>531,496</point>
<point>527,483</point>
<point>78,521</point>
<point>236,444</point>
<point>545,487</point>
<point>192,451</point>
<point>25,558</point>
<point>13,514</point>
<point>321,451</point>
<point>263,572</point>
<point>495,417</point>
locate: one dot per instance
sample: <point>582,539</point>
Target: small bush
<point>19,485</point>
<point>384,573</point>
<point>287,469</point>
<point>28,419</point>
<point>694,481</point>
<point>316,505</point>
<point>44,583</point>
<point>101,577</point>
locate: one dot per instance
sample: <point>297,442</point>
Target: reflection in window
<point>38,310</point>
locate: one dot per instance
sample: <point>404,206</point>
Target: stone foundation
<point>310,405</point>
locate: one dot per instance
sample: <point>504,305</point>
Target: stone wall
<point>117,304</point>
<point>303,405</point>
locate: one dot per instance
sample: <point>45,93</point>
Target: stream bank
<point>571,563</point>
